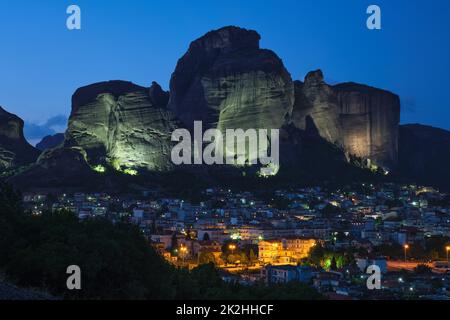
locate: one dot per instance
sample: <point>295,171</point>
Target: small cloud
<point>57,122</point>
<point>35,132</point>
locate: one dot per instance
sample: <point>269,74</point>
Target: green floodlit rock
<point>123,125</point>
<point>99,168</point>
<point>269,171</point>
<point>130,172</point>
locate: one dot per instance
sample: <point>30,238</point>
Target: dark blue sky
<point>42,63</point>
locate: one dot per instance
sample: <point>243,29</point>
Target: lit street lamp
<point>406,247</point>
<point>183,251</point>
<point>231,247</point>
<point>447,249</point>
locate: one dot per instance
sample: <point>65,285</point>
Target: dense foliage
<point>116,261</point>
<point>328,259</point>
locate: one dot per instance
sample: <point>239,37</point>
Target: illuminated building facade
<point>284,251</point>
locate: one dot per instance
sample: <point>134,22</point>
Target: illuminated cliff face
<point>120,124</point>
<point>369,122</point>
<point>226,81</point>
<point>316,107</point>
<point>356,134</point>
<point>361,119</point>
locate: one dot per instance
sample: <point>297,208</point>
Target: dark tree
<point>206,236</point>
<point>174,241</point>
<point>333,265</point>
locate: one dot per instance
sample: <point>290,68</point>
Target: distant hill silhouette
<point>424,155</point>
<point>50,142</point>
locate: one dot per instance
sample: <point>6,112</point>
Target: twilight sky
<point>42,63</point>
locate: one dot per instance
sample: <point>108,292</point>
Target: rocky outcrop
<point>424,155</point>
<point>116,129</point>
<point>50,142</point>
<point>361,119</point>
<point>369,122</point>
<point>14,149</point>
<point>121,124</point>
<point>226,81</point>
<point>316,107</point>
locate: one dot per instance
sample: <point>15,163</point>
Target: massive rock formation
<point>424,155</point>
<point>227,81</point>
<point>14,149</point>
<point>50,142</point>
<point>362,119</point>
<point>121,124</point>
<point>114,126</point>
<point>369,120</point>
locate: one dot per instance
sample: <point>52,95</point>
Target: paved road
<point>409,265</point>
<point>396,265</point>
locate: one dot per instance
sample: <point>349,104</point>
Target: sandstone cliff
<point>121,124</point>
<point>14,149</point>
<point>227,81</point>
<point>316,107</point>
<point>361,119</point>
<point>369,122</point>
<point>114,127</point>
